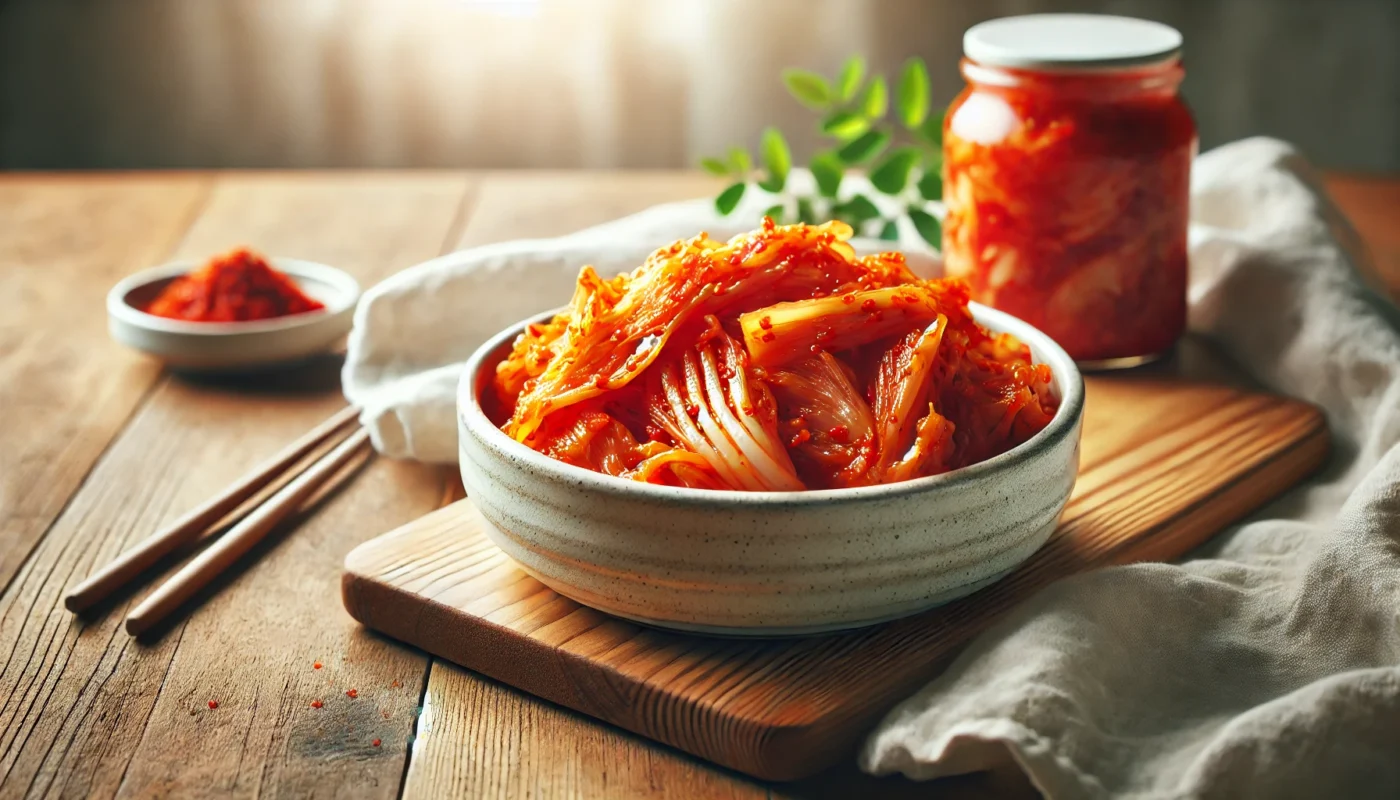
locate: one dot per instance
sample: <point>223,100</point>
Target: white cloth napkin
<point>1266,666</point>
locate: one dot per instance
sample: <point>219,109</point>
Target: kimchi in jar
<point>1068,160</point>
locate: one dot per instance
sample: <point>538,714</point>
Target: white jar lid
<point>1070,41</point>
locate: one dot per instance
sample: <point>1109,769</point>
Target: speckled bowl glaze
<point>770,563</point>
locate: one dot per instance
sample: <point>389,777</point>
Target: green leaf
<point>890,232</point>
<point>859,209</point>
<point>928,227</point>
<point>739,160</point>
<point>714,166</point>
<point>809,88</point>
<point>730,197</point>
<point>877,99</point>
<point>865,147</point>
<point>777,158</point>
<point>851,75</point>
<point>827,169</point>
<point>913,93</point>
<point>845,125</point>
<point>776,212</point>
<point>771,184</point>
<point>933,160</point>
<point>931,185</point>
<point>931,130</point>
<point>892,174</point>
<point>805,213</point>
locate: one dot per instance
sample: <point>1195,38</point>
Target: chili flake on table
<point>237,287</point>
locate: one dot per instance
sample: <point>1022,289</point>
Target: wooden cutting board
<point>1165,464</point>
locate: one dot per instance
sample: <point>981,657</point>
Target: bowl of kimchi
<point>769,436</point>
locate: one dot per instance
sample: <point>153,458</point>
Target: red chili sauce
<point>238,287</point>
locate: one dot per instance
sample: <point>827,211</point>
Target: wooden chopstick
<point>187,528</point>
<point>241,538</point>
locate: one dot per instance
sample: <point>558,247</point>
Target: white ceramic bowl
<point>233,345</point>
<point>770,563</point>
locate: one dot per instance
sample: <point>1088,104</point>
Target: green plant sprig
<point>904,156</point>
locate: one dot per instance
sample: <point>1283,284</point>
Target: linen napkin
<point>1267,665</point>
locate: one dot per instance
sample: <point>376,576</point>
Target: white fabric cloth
<point>1268,665</point>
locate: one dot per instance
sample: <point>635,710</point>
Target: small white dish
<point>770,563</point>
<point>209,346</point>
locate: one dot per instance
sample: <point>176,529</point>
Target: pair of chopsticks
<point>238,540</point>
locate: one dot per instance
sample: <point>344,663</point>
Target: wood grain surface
<point>1165,464</point>
<point>65,387</point>
<point>84,710</point>
<point>1372,205</point>
<point>98,447</point>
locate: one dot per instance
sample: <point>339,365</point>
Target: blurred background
<point>600,83</point>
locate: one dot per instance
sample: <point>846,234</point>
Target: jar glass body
<point>1068,198</point>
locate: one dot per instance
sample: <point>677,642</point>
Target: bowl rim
<point>1068,380</point>
<point>346,291</point>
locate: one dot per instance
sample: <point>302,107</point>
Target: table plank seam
<point>422,698</point>
<point>466,205</point>
<point>462,214</point>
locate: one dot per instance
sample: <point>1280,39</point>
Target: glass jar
<point>1067,179</point>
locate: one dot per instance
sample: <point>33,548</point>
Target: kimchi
<point>777,361</point>
<point>1067,197</point>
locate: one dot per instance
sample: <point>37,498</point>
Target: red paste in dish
<point>237,287</point>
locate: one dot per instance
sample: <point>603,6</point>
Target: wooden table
<point>99,447</point>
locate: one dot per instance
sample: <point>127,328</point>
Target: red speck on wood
<point>317,665</point>
<point>316,704</point>
<point>213,703</point>
<point>375,742</point>
<point>352,693</point>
